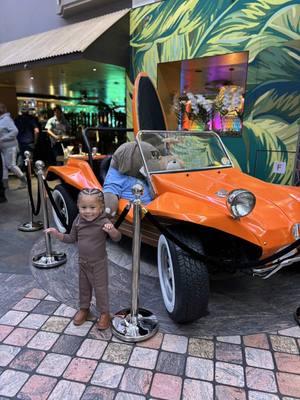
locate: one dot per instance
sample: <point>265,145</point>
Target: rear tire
<point>184,281</point>
<point>66,205</point>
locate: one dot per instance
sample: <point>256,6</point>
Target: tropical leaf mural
<point>269,30</point>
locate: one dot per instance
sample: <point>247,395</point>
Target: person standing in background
<point>28,132</point>
<point>57,127</point>
<point>9,147</point>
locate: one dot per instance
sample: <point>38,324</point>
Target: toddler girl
<point>89,230</point>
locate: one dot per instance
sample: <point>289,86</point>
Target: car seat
<point>147,108</point>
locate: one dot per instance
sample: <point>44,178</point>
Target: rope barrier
<point>35,210</point>
<point>122,215</point>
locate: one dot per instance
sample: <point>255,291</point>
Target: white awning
<point>70,39</point>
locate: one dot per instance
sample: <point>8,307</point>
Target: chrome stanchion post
<point>135,324</point>
<point>49,258</point>
<point>30,226</point>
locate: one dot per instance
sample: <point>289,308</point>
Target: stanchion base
<point>145,327</point>
<point>43,261</point>
<point>31,226</point>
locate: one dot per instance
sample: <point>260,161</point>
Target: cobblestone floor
<point>44,356</point>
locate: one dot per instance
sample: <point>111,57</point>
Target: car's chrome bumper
<point>270,269</point>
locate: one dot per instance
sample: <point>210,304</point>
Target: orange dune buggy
<point>207,204</point>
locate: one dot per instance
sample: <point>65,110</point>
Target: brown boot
<point>103,322</point>
<point>81,316</point>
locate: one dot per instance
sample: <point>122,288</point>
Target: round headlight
<point>240,202</point>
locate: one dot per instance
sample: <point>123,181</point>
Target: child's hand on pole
<point>54,232</point>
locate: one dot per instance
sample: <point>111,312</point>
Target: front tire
<point>66,205</point>
<point>184,281</point>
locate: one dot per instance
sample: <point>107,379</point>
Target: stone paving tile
<point>91,348</point>
<point>26,304</point>
<point>252,395</point>
<point>20,336</point>
<point>108,375</point>
<point>67,390</point>
<point>259,358</point>
<point>261,379</point>
<point>43,340</point>
<point>199,368</point>
<point>294,332</point>
<point>143,358</point>
<point>7,353</point>
<point>229,374</point>
<point>34,321</point>
<point>287,362</point>
<point>55,324</point>
<point>117,353</point>
<point>175,343</point>
<point>229,352</point>
<point>201,348</point>
<point>80,369</point>
<point>37,293</point>
<point>50,298</point>
<point>101,335</point>
<point>166,386</point>
<point>46,307</point>
<point>97,393</point>
<point>229,393</point>
<point>136,380</point>
<point>13,317</point>
<point>154,342</point>
<point>259,340</point>
<point>5,331</point>
<point>229,339</point>
<point>54,364</point>
<point>283,398</point>
<point>37,387</point>
<point>129,396</point>
<point>289,384</point>
<point>67,344</point>
<point>81,330</point>
<point>170,363</point>
<point>27,360</point>
<point>65,311</point>
<point>284,344</point>
<point>11,382</point>
<point>197,390</point>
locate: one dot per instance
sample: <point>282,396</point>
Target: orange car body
<point>192,197</point>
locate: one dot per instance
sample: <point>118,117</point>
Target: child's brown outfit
<point>92,260</point>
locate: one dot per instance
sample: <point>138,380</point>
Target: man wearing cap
<point>57,127</point>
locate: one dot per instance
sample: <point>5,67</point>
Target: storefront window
<point>207,93</point>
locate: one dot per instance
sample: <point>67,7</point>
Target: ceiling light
<point>94,69</point>
<point>32,77</point>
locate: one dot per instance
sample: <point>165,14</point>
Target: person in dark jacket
<point>28,132</point>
